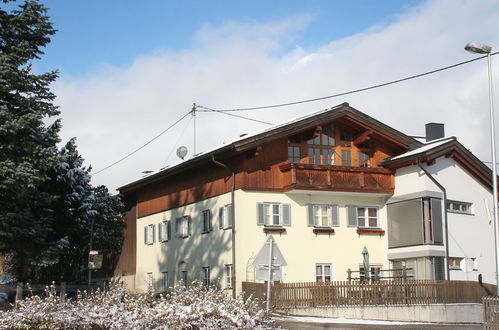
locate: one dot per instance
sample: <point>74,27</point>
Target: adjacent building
<point>325,185</point>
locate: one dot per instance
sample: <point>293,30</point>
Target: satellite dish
<point>182,152</point>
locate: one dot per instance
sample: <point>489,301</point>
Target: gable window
<point>322,152</point>
<point>164,231</point>
<point>273,214</point>
<point>183,226</point>
<point>323,273</point>
<point>364,159</point>
<point>459,207</point>
<point>346,158</point>
<point>206,276</point>
<point>293,154</point>
<point>322,215</point>
<point>346,138</point>
<point>206,215</point>
<point>363,217</point>
<point>228,276</point>
<point>225,216</point>
<point>149,234</point>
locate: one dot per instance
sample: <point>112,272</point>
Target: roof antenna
<point>193,111</point>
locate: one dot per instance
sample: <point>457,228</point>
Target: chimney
<point>434,131</point>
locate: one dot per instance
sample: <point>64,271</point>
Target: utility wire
<point>233,115</point>
<point>349,92</point>
<point>142,146</point>
<point>178,140</point>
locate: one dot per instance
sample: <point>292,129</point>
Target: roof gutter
<point>447,271</point>
<point>233,224</point>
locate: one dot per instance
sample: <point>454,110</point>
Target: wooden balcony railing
<point>339,178</point>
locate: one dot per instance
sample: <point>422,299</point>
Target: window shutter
<point>230,214</point>
<point>188,219</point>
<point>352,216</point>
<point>153,227</point>
<point>168,230</point>
<point>145,235</point>
<point>310,208</point>
<point>160,232</point>
<point>208,214</point>
<point>286,214</point>
<point>177,227</point>
<point>260,221</point>
<point>221,217</point>
<point>335,222</point>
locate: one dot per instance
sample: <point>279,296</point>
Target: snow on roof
<point>428,146</point>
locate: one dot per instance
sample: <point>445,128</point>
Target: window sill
<point>279,230</point>
<point>375,231</point>
<point>323,230</point>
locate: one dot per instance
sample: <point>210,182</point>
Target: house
<point>325,185</point>
<point>440,208</point>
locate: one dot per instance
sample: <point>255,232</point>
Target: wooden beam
<point>366,136</point>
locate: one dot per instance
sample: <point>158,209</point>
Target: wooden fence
<point>345,293</point>
<point>491,313</point>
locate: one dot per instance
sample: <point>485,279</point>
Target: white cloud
<point>250,64</point>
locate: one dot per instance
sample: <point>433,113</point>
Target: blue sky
<point>129,69</point>
<point>94,33</point>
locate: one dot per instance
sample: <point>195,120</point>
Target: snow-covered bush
<point>195,307</point>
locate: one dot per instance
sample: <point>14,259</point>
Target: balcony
<point>338,178</point>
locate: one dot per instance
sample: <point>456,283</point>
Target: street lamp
<point>477,48</point>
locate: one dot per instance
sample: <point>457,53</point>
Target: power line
<point>142,146</point>
<point>233,115</point>
<point>349,92</point>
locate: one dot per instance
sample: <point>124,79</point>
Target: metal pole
<point>494,170</point>
<point>269,278</point>
<point>194,118</point>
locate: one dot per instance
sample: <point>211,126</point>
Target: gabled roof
<point>299,124</point>
<point>448,147</point>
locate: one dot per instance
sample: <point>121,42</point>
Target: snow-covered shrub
<point>195,307</point>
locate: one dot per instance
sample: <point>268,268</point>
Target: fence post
<point>404,274</point>
<point>349,275</point>
<point>62,293</point>
<point>19,292</point>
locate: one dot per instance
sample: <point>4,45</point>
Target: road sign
<point>262,257</point>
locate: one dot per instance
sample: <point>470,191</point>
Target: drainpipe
<point>445,217</point>
<point>233,229</point>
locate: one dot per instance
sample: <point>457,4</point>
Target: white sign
<point>262,258</point>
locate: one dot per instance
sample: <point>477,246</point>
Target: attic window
<point>325,137</point>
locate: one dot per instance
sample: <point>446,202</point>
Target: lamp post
<point>477,48</point>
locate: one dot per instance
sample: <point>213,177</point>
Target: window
<point>323,273</point>
<point>455,263</point>
<point>206,276</point>
<point>293,154</point>
<point>364,159</point>
<point>367,217</point>
<point>322,153</point>
<point>228,276</point>
<point>346,138</point>
<point>206,215</point>
<point>183,226</point>
<point>273,214</point>
<point>164,281</point>
<point>374,274</point>
<point>459,207</point>
<point>346,158</point>
<point>314,156</point>
<point>149,282</point>
<point>164,231</point>
<point>149,234</point>
<point>322,215</point>
<point>432,221</point>
<point>225,216</point>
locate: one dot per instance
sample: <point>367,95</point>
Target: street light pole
<point>478,48</point>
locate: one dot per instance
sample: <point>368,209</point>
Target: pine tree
<point>27,144</point>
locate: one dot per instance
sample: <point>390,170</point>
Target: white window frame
<point>206,276</point>
<point>323,273</point>
<point>150,281</point>
<point>273,211</point>
<point>165,281</point>
<point>228,276</point>
<point>463,207</point>
<point>318,215</point>
<point>206,220</point>
<point>366,216</point>
<point>163,231</point>
<point>453,263</point>
<point>183,226</point>
<point>149,234</point>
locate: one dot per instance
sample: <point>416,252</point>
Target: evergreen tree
<point>48,208</point>
<point>27,144</point>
